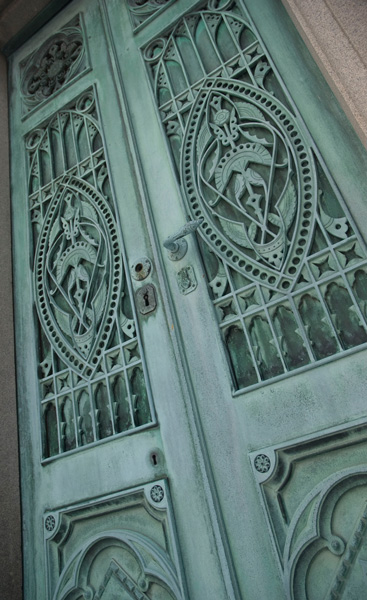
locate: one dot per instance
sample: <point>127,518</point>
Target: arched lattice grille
<point>90,359</point>
<point>285,266</point>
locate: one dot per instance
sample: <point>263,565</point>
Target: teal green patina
<point>186,430</point>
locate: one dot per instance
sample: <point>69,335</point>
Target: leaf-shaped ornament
<point>249,111</point>
<point>203,139</point>
<point>99,301</point>
<point>63,320</point>
<point>286,206</point>
<point>236,231</point>
<point>89,212</point>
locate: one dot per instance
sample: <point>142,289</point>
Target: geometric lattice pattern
<point>286,268</point>
<point>92,376</point>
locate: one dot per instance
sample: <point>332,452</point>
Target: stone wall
<point>335,33</point>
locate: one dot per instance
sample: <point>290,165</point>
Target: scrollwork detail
<point>74,272</point>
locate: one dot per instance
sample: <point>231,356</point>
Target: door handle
<point>176,243</point>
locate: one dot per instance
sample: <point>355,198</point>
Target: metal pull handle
<point>176,244</point>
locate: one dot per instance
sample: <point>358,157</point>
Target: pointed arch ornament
<point>78,273</point>
<point>234,134</point>
<point>120,545</point>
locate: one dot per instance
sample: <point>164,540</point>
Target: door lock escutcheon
<point>146,299</point>
<point>176,243</point>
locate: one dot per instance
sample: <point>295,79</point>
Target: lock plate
<point>146,299</point>
<point>186,280</point>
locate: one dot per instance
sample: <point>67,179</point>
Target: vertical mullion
<point>242,320</point>
<point>62,143</point>
<point>265,308</point>
<point>76,428</point>
<point>195,49</point>
<point>181,65</point>
<point>234,39</point>
<point>302,329</point>
<point>77,155</point>
<point>343,276</point>
<point>52,166</point>
<point>92,411</point>
<point>214,45</point>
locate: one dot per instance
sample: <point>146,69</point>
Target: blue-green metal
<point>155,461</point>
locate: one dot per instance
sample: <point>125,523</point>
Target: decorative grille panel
<point>285,266</point>
<point>90,360</point>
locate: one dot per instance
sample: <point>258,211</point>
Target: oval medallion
<point>248,171</point>
<point>78,274</point>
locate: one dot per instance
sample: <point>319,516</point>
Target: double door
<point>183,425</point>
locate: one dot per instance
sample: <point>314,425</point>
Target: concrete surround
<point>334,31</point>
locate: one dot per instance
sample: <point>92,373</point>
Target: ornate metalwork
<point>50,523</point>
<point>142,10</point>
<point>240,171</point>
<point>285,266</point>
<point>90,362</point>
<point>56,62</point>
<point>78,273</point>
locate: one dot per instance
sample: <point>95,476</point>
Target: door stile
<point>189,396</point>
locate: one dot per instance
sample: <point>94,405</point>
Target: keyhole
<point>146,299</point>
<point>154,459</point>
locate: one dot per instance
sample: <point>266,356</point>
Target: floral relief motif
<point>262,463</point>
<point>157,493</point>
<point>54,64</point>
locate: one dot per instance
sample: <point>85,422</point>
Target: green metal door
<point>191,413</point>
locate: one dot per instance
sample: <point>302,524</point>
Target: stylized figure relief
<point>238,179</point>
<point>76,269</point>
<point>241,170</point>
